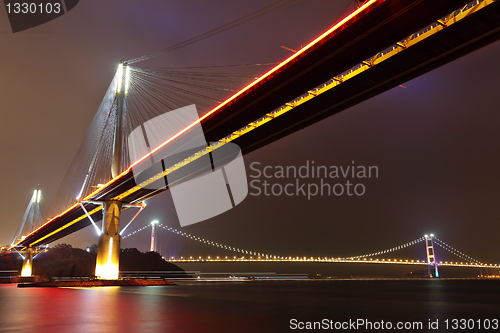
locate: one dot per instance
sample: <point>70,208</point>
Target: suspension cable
<point>138,230</point>
<point>455,251</point>
<point>418,240</point>
<point>222,246</point>
<point>225,27</point>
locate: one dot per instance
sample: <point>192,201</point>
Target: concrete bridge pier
<point>27,269</point>
<point>108,248</point>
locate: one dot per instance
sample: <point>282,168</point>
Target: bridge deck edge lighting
<point>375,61</point>
<point>413,39</point>
<point>261,78</point>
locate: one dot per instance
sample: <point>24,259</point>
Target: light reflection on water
<point>241,306</point>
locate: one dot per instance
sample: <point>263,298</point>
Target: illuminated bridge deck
<point>330,260</point>
<point>381,45</point>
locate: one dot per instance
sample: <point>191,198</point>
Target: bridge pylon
<point>32,219</point>
<point>27,269</point>
<point>122,85</point>
<point>108,248</point>
<point>431,256</point>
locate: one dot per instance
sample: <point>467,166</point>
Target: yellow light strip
<point>273,70</point>
<point>335,27</point>
<point>333,260</point>
<point>360,68</point>
<point>288,106</point>
<point>66,225</point>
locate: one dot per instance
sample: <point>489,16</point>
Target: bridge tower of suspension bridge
<point>108,247</point>
<point>431,257</point>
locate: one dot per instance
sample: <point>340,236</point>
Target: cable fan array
<point>152,92</point>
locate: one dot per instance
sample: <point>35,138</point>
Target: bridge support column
<point>121,91</point>
<point>27,269</point>
<point>108,248</point>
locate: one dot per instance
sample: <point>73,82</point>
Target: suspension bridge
<point>429,243</point>
<point>380,45</point>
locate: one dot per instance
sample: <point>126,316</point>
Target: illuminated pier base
<point>27,263</point>
<point>108,248</point>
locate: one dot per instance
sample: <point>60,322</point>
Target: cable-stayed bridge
<point>382,44</point>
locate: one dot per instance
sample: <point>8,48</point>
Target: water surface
<point>255,306</point>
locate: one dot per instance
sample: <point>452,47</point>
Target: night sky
<point>436,142</point>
